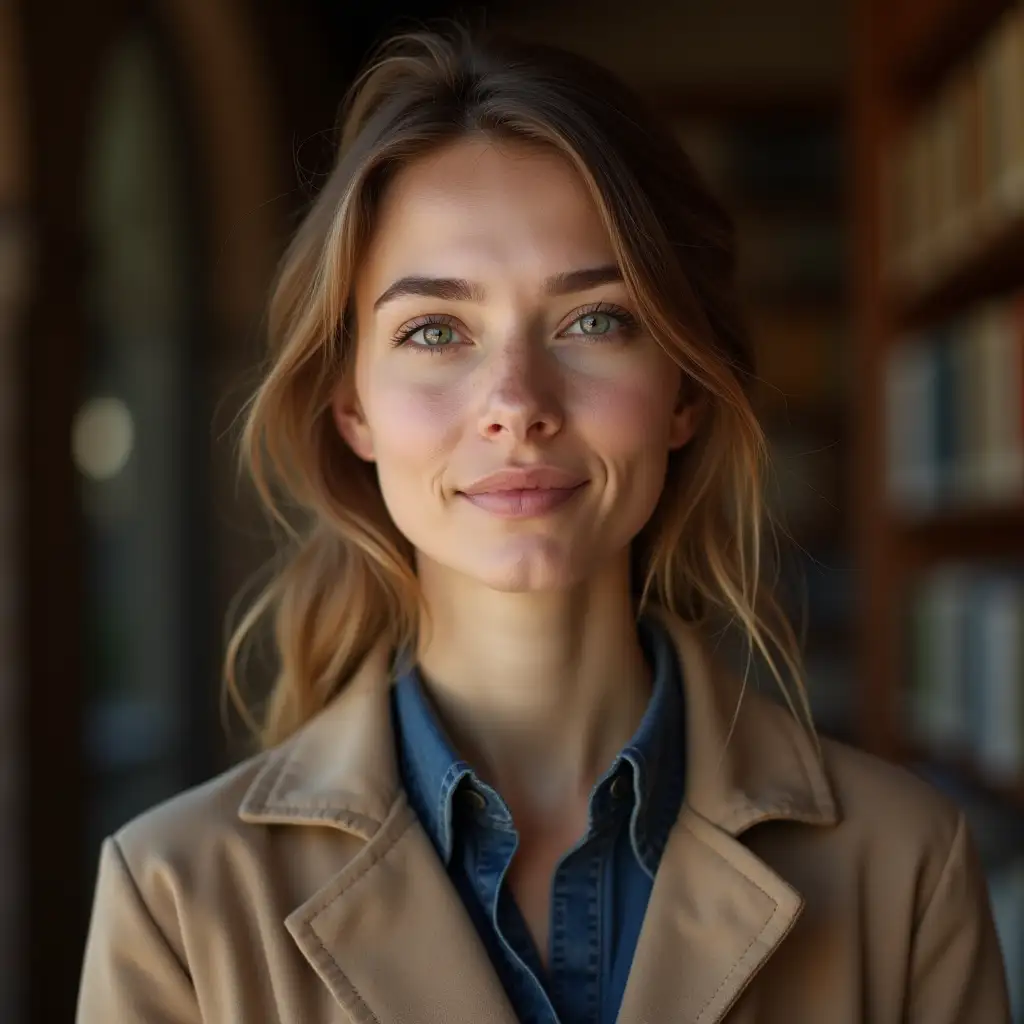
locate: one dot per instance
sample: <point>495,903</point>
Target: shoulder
<point>273,826</point>
<point>890,815</point>
<point>159,877</point>
<point>922,897</point>
<point>200,853</point>
<point>865,783</point>
<point>897,853</point>
<point>877,794</point>
<point>174,833</point>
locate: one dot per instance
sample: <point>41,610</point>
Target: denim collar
<point>652,763</point>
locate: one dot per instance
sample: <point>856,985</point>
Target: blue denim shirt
<point>600,888</point>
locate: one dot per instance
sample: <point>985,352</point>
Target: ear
<point>351,421</point>
<point>686,419</point>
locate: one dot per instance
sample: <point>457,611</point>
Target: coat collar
<point>748,758</point>
<point>391,948</point>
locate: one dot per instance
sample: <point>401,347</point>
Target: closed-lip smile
<point>524,492</point>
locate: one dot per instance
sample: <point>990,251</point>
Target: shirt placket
<point>493,844</point>
<point>577,927</point>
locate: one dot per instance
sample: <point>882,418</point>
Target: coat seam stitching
<point>375,857</point>
<point>318,909</point>
<point>753,941</point>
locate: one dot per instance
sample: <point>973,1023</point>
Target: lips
<point>522,478</point>
<point>519,493</point>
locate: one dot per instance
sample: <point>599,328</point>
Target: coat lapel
<point>388,934</point>
<point>748,759</point>
<point>392,941</point>
<point>716,914</point>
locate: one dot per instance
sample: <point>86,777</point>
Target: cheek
<point>627,415</point>
<point>414,425</point>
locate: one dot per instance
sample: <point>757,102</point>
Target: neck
<point>538,692</point>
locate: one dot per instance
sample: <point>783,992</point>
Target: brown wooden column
<point>14,272</point>
<point>65,44</point>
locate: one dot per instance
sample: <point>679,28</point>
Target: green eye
<point>596,323</point>
<point>429,334</point>
<point>435,335</point>
<point>601,323</point>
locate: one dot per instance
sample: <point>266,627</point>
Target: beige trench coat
<point>300,888</point>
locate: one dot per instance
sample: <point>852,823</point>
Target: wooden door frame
<point>65,47</point>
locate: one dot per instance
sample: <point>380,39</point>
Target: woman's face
<point>495,336</point>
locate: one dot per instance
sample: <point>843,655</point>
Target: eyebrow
<point>455,289</point>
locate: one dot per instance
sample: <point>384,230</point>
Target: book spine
<point>956,174</point>
<point>955,413</point>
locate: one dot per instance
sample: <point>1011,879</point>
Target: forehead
<point>480,206</point>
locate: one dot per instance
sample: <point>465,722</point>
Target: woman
<point>504,779</point>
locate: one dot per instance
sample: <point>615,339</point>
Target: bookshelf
<point>937,111</point>
<point>925,38</point>
<point>993,269</point>
<point>937,124</point>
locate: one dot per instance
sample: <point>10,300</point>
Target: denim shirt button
<point>621,787</point>
<point>474,800</point>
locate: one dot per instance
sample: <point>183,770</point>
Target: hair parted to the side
<point>349,581</point>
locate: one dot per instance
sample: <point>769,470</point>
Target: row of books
<point>955,412</point>
<point>966,666</point>
<point>956,175</point>
<point>1006,892</point>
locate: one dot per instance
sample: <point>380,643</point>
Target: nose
<point>521,402</point>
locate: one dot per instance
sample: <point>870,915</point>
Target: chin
<point>533,567</point>
<point>525,578</point>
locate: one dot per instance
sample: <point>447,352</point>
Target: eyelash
<point>406,331</point>
<point>628,325</point>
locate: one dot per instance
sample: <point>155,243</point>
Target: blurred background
<point>155,155</point>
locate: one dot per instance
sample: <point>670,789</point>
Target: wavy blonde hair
<point>347,579</point>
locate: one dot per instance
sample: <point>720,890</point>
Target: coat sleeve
<point>131,973</point>
<point>957,974</point>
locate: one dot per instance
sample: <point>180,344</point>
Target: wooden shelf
<point>971,519</point>
<point>994,268</point>
<point>904,54</point>
<point>983,533</point>
<point>938,38</point>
